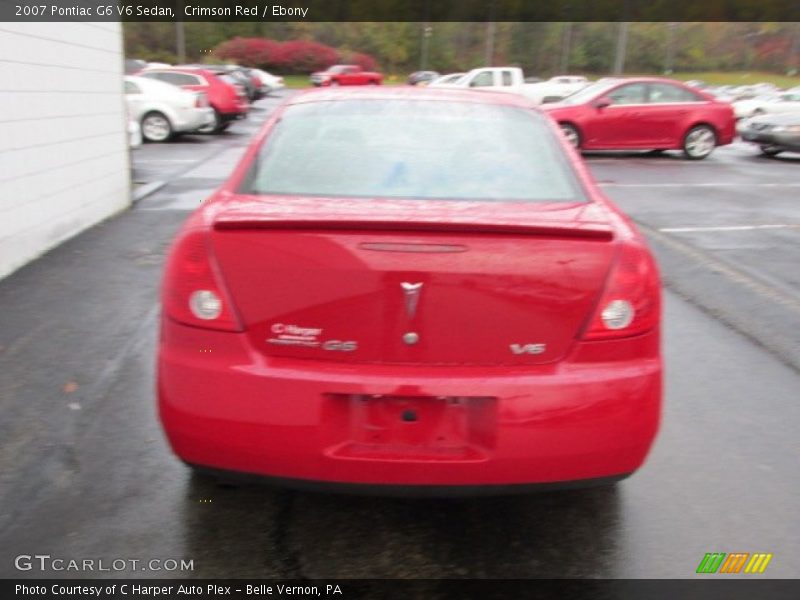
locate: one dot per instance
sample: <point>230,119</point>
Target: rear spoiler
<point>583,231</point>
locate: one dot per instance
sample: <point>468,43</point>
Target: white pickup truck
<point>512,80</point>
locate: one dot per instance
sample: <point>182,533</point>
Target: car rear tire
<point>572,134</point>
<point>156,127</point>
<point>770,150</point>
<point>699,142</point>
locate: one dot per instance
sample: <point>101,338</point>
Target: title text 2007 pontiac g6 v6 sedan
<point>416,291</point>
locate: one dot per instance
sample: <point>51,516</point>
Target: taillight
<point>201,101</point>
<point>630,304</point>
<point>193,292</point>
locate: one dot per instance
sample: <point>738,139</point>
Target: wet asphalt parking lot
<point>86,473</point>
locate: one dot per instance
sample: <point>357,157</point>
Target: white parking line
<point>728,228</point>
<point>688,185</point>
<point>164,160</point>
<point>639,161</point>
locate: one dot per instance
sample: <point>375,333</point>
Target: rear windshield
<point>413,149</point>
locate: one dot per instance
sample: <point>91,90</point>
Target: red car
<point>345,75</point>
<point>411,290</point>
<point>645,114</point>
<point>227,97</point>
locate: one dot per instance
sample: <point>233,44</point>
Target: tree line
<point>539,48</point>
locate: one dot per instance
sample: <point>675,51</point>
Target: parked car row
<point>768,116</point>
<point>610,114</point>
<point>655,114</point>
<point>753,100</point>
<point>167,100</point>
<point>734,93</point>
<point>227,97</point>
<point>616,113</point>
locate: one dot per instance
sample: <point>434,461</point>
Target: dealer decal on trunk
<point>295,335</point>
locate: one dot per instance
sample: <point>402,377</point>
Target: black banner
<point>712,588</point>
<point>400,10</point>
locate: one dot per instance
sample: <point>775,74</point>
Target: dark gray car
<point>774,133</point>
<point>422,77</point>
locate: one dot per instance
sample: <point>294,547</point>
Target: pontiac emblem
<point>411,292</point>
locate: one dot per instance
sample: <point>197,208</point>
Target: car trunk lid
<point>428,282</point>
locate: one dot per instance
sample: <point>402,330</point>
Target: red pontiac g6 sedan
<point>645,114</point>
<point>415,291</point>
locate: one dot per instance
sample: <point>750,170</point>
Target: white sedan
<point>163,109</point>
<point>271,82</point>
<point>785,102</point>
<point>555,88</point>
<point>134,133</point>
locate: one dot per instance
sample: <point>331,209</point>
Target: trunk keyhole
<point>409,416</point>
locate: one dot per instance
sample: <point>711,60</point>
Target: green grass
<point>710,77</point>
<point>740,78</point>
<point>298,82</point>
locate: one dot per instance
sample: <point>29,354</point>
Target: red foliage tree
<point>303,56</point>
<point>234,49</point>
<point>297,56</point>
<point>365,61</point>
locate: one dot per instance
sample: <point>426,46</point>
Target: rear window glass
<point>176,78</point>
<point>413,149</point>
<point>664,93</point>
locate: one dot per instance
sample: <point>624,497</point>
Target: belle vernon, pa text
<point>135,589</point>
<point>131,10</point>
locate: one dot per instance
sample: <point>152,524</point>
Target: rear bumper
<point>194,119</point>
<point>223,406</point>
<point>407,491</point>
<point>788,141</point>
<point>233,111</point>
